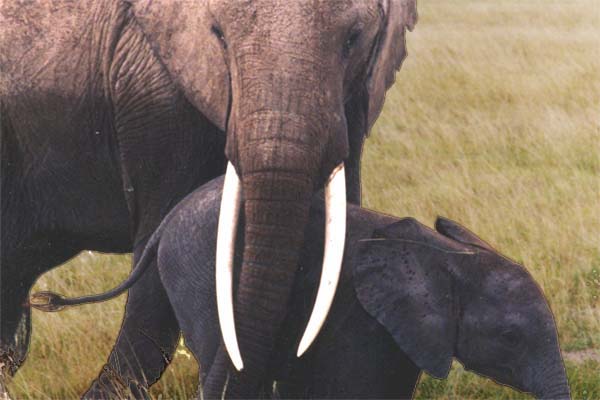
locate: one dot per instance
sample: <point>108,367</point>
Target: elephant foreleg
<point>146,341</point>
<point>214,384</point>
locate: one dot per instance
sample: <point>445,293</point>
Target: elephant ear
<point>180,33</point>
<point>401,280</point>
<point>390,52</point>
<point>455,231</point>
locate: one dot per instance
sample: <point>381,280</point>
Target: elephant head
<point>280,78</point>
<point>453,295</point>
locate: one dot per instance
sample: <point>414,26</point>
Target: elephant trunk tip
<point>560,391</point>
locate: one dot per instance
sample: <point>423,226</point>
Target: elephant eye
<point>351,42</point>
<point>510,338</point>
<point>219,34</point>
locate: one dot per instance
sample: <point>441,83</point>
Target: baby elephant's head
<point>449,294</point>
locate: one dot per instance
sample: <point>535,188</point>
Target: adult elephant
<point>112,111</point>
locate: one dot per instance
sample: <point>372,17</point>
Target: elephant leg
<point>146,341</point>
<point>214,384</point>
<point>221,374</point>
<point>363,367</point>
<point>354,357</point>
<point>20,266</point>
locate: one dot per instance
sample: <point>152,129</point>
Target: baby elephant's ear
<point>403,284</point>
<point>455,231</point>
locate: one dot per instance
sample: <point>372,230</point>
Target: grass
<point>494,122</point>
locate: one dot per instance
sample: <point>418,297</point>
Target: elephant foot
<point>4,395</point>
<point>7,368</point>
<point>109,385</point>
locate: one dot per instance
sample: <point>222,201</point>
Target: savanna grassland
<point>494,121</point>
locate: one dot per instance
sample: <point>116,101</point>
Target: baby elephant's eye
<point>511,338</point>
<point>351,42</point>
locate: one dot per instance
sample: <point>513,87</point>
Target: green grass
<point>494,122</point>
<point>462,384</point>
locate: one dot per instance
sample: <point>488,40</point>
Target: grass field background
<point>494,121</point>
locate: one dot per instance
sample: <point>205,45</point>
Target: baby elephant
<point>409,299</point>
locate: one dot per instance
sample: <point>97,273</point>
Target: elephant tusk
<point>335,237</point>
<point>228,220</point>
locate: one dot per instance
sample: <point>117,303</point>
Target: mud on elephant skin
<point>112,111</point>
<point>410,299</point>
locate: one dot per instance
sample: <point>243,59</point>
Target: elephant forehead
<point>300,19</point>
<point>511,281</point>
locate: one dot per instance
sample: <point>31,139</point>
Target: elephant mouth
<point>335,234</point>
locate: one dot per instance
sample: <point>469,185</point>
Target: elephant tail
<point>51,302</point>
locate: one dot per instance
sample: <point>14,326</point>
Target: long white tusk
<point>228,220</point>
<point>335,237</point>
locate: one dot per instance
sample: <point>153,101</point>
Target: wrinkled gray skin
<point>112,111</point>
<point>409,299</point>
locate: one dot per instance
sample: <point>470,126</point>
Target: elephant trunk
<point>277,180</point>
<point>559,392</point>
<point>555,387</point>
<point>276,204</point>
<point>552,381</point>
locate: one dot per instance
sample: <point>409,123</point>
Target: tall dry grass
<point>494,122</point>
